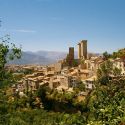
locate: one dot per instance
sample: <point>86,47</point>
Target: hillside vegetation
<point>104,105</point>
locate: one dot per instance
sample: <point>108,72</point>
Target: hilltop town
<point>63,75</point>
<point>62,62</point>
<point>84,90</point>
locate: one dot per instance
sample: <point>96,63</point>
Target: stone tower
<point>79,50</point>
<point>82,49</point>
<point>71,53</point>
<point>70,56</point>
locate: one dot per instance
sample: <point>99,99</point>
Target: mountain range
<point>42,57</point>
<point>39,57</point>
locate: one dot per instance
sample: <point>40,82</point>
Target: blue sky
<point>57,24</point>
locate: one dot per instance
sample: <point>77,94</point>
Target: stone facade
<point>82,49</point>
<point>120,64</point>
<point>70,56</point>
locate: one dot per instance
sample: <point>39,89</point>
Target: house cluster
<point>65,79</point>
<point>63,75</point>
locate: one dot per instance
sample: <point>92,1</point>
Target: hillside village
<point>62,62</point>
<point>65,74</point>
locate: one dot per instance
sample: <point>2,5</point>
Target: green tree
<point>114,55</point>
<point>104,72</point>
<point>106,55</point>
<point>107,100</point>
<point>8,51</point>
<point>119,54</point>
<point>116,71</point>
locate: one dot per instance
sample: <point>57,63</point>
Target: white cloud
<point>18,30</point>
<point>23,30</point>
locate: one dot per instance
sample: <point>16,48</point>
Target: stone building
<point>70,56</point>
<point>57,66</point>
<point>59,80</point>
<point>120,64</point>
<point>82,49</point>
<point>71,53</point>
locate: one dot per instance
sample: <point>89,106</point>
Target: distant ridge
<point>41,57</point>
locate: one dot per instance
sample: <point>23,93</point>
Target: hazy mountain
<point>40,57</point>
<point>54,55</point>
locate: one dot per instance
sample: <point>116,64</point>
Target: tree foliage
<point>119,54</point>
<point>107,100</point>
<point>106,55</point>
<point>104,105</point>
<point>8,51</point>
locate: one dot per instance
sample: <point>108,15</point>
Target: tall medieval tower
<point>71,54</point>
<point>82,49</point>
